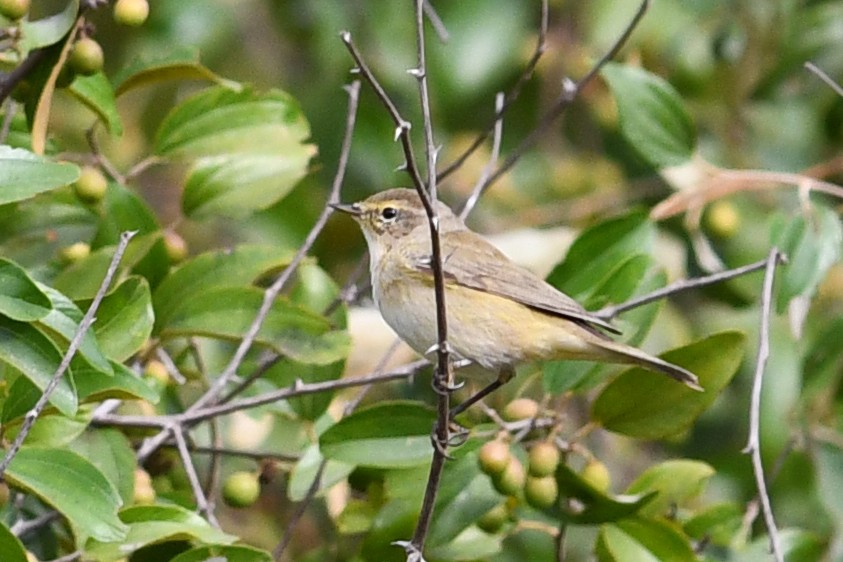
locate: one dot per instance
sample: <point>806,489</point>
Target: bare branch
<point>481,184</point>
<point>282,545</point>
<point>570,91</point>
<point>512,95</point>
<point>84,326</point>
<point>753,445</point>
<point>610,312</point>
<point>820,73</point>
<point>202,505</point>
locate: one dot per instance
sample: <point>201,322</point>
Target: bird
<point>499,314</point>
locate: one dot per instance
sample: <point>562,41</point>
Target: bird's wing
<point>471,261</point>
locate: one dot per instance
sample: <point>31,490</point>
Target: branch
<point>511,96</point>
<point>610,312</point>
<point>481,185</point>
<point>202,505</point>
<point>820,73</point>
<point>753,446</point>
<point>84,325</point>
<point>570,91</point>
<point>278,551</point>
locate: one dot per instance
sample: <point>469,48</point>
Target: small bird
<point>499,314</point>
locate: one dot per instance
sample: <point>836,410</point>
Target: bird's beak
<point>353,209</point>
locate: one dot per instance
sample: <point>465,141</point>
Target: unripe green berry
<point>493,457</point>
<point>544,458</point>
<point>91,185</point>
<point>175,246</point>
<point>511,480</point>
<point>241,489</point>
<point>131,12</point>
<point>14,9</point>
<point>86,57</point>
<point>520,409</point>
<point>596,474</point>
<point>74,253</point>
<point>493,520</point>
<point>542,492</point>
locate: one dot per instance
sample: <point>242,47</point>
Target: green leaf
<point>812,246</point>
<point>95,91</point>
<point>304,471</point>
<point>717,523</point>
<point>109,450</point>
<point>10,545</point>
<point>151,524</point>
<point>24,174</point>
<point>465,495</point>
<point>651,115</point>
<point>640,540</point>
<point>596,506</point>
<point>33,354</point>
<point>309,406</point>
<point>74,487</point>
<point>676,481</point>
<point>596,253</point>
<point>247,148</point>
<point>290,330</point>
<point>387,435</point>
<point>470,544</point>
<point>124,319</point>
<point>647,405</point>
<point>181,63</point>
<point>95,386</point>
<point>241,266</point>
<point>227,553</point>
<point>20,297</point>
<point>49,30</point>
<point>64,319</point>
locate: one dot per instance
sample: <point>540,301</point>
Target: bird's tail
<point>625,354</point>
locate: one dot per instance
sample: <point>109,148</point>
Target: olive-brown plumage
<point>499,314</point>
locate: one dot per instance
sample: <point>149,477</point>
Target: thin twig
<point>436,22</point>
<point>820,73</point>
<point>610,312</point>
<point>282,545</point>
<point>202,505</point>
<point>84,325</point>
<point>481,184</point>
<point>168,362</point>
<point>269,297</point>
<point>753,440</point>
<point>225,451</point>
<point>9,113</point>
<point>570,91</point>
<point>22,528</point>
<point>353,91</point>
<point>511,97</point>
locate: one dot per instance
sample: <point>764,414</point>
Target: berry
<point>492,521</point>
<point>541,493</point>
<point>144,493</point>
<point>86,57</point>
<point>521,409</point>
<point>74,253</point>
<point>241,489</point>
<point>91,185</point>
<point>494,457</point>
<point>511,480</point>
<point>156,371</point>
<point>544,458</point>
<point>131,12</point>
<point>14,9</point>
<point>175,246</point>
<point>723,219</point>
<point>596,474</point>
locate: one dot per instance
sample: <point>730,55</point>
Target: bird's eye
<point>389,213</point>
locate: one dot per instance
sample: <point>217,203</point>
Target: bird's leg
<point>448,386</point>
<point>504,377</point>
